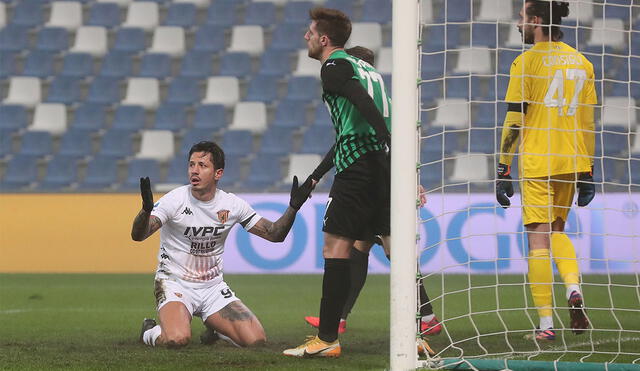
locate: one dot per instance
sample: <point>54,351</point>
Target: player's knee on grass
<point>176,339</point>
<point>253,336</point>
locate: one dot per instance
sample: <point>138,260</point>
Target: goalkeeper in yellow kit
<point>550,96</point>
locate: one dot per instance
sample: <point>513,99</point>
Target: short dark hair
<point>363,53</point>
<point>217,154</point>
<point>333,23</point>
<point>551,13</point>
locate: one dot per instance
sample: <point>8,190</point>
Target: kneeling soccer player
<point>195,221</point>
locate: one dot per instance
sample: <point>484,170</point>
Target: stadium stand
<point>106,73</point>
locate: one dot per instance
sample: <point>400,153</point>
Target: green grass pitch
<point>91,321</point>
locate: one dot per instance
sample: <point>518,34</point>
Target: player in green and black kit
<point>359,255</point>
<point>359,201</point>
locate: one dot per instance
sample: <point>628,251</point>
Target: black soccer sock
<point>335,288</point>
<point>425,306</point>
<point>359,262</point>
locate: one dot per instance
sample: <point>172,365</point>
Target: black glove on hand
<point>147,195</point>
<point>586,188</point>
<point>504,187</point>
<point>300,194</point>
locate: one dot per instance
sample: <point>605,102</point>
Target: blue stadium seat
<point>262,89</point>
<point>39,64</point>
<point>291,115</point>
<point>297,12</point>
<point>8,64</point>
<point>76,142</point>
<point>222,13</point>
<point>131,118</point>
<point>634,168</point>
<point>210,116</point>
<point>104,14</point>
<point>155,65</point>
<point>378,11</point>
<point>431,90</point>
<point>435,37</point>
<point>64,90</point>
<point>303,88</point>
<point>209,38</point>
<point>260,14</point>
<point>184,90</point>
<point>196,63</point>
<point>102,172</point>
<point>62,170</point>
<point>482,141</point>
<point>13,38</point>
<point>613,10</point>
<point>235,64</point>
<point>615,170</point>
<point>237,142</point>
<point>77,65</point>
<point>117,64</point>
<point>264,172</point>
<point>569,32</point>
<point>14,117</point>
<point>345,6</point>
<point>321,117</point>
<point>192,137</point>
<point>27,13</point>
<point>615,141</point>
<point>171,117</point>
<point>505,59</point>
<point>6,141</point>
<point>20,172</point>
<point>457,87</point>
<point>89,116</point>
<point>129,39</point>
<point>635,40</point>
<point>139,168</point>
<point>485,114</point>
<point>288,37</point>
<point>483,34</point>
<point>317,140</point>
<point>275,63</point>
<point>181,15</point>
<point>431,175</point>
<point>53,39</point>
<point>36,143</point>
<point>456,11</point>
<point>276,141</point>
<point>232,171</point>
<point>432,66</point>
<point>104,89</point>
<point>116,143</point>
<point>177,171</point>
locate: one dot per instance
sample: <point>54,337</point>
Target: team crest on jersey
<point>178,294</point>
<point>223,216</point>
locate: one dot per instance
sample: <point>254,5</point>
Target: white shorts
<point>200,302</point>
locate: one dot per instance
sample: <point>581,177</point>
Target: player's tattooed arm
<point>144,225</point>
<point>275,231</point>
<point>513,123</point>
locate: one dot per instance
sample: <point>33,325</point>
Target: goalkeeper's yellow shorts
<point>547,199</point>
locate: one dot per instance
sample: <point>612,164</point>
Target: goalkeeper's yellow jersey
<point>557,82</point>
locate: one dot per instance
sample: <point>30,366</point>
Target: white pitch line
<point>575,345</point>
<point>80,310</point>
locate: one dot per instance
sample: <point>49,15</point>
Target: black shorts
<point>360,199</point>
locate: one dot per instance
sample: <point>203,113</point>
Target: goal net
<point>472,253</point>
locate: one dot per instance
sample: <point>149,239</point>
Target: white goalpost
<point>451,61</point>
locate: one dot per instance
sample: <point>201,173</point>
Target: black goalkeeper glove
<point>147,195</point>
<point>504,187</point>
<point>300,194</point>
<point>586,188</point>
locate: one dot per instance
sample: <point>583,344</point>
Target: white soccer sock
<point>429,317</point>
<point>572,288</point>
<point>546,323</point>
<point>151,335</point>
<point>228,340</point>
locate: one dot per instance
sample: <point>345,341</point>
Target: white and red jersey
<point>193,233</point>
